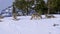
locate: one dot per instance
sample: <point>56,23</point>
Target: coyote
<point>36,16</point>
<point>50,16</point>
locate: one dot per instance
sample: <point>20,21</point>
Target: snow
<point>26,26</point>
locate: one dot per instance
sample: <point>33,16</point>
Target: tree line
<point>40,6</point>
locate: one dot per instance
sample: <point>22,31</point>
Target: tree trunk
<point>14,12</point>
<point>48,11</point>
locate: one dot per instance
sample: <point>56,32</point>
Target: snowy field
<point>26,26</point>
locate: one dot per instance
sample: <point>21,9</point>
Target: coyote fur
<point>36,16</point>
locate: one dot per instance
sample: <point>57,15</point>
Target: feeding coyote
<point>50,16</point>
<point>36,16</point>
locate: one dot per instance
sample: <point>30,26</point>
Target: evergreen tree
<point>39,5</point>
<point>58,5</point>
<point>53,5</point>
<point>24,4</point>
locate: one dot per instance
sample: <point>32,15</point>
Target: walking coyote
<point>36,16</point>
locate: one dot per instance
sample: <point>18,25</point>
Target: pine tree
<point>26,4</point>
<point>52,5</point>
<point>40,6</point>
<point>58,5</point>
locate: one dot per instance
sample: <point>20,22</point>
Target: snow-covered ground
<point>26,26</point>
